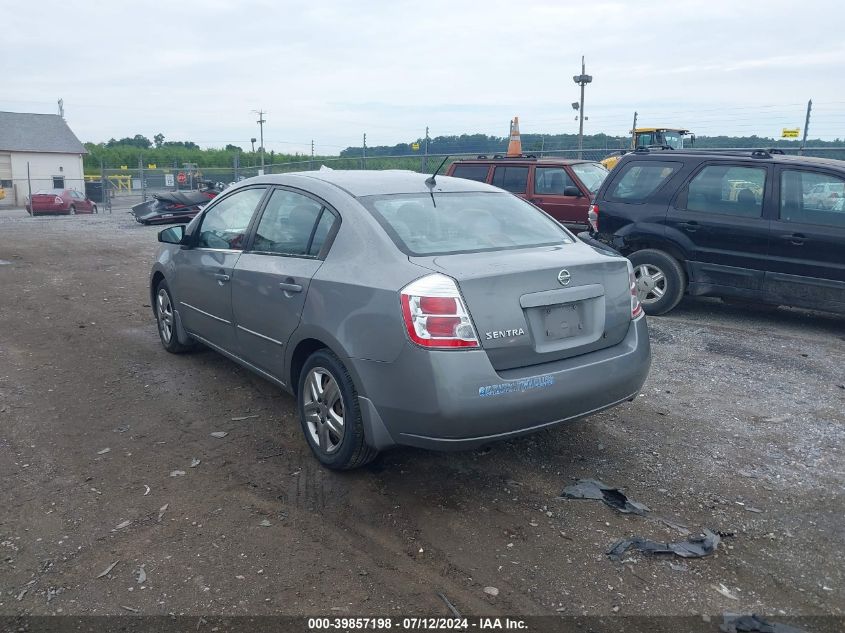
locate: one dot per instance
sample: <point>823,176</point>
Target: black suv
<point>754,226</point>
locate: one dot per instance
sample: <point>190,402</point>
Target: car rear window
<point>447,223</point>
<point>471,172</point>
<point>638,179</point>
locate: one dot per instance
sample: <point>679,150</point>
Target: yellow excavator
<point>654,138</point>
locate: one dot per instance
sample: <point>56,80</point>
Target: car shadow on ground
<point>753,316</point>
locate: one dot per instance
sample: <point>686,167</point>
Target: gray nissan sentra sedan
<point>398,309</point>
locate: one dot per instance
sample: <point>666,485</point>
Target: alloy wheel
<point>651,283</point>
<point>323,409</point>
<point>165,315</point>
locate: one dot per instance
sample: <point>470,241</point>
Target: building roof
<point>26,132</point>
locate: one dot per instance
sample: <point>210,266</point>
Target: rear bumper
<point>448,400</point>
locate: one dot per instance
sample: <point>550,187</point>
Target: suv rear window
<point>471,172</point>
<point>463,222</point>
<point>639,179</point>
<point>513,179</point>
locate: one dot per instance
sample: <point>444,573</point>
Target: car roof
<point>751,155</point>
<point>517,160</point>
<point>358,183</point>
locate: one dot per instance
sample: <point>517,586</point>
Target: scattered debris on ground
<point>450,606</point>
<point>491,591</point>
<point>733,623</point>
<point>693,547</point>
<point>219,434</point>
<point>725,592</point>
<point>613,497</point>
<point>108,569</point>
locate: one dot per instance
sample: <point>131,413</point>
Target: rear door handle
<point>689,227</point>
<point>794,238</point>
<point>222,277</point>
<point>290,287</point>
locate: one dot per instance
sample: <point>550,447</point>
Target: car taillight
<point>593,217</point>
<point>435,315</point>
<point>636,306</point>
<point>58,200</point>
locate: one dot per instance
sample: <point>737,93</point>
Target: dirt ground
<point>739,429</point>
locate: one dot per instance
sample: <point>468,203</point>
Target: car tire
<point>166,320</point>
<point>661,281</point>
<point>94,208</point>
<point>71,210</point>
<point>329,414</point>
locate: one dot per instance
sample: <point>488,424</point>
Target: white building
<point>37,151</point>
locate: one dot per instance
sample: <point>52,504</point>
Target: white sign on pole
<point>260,172</point>
<point>168,180</point>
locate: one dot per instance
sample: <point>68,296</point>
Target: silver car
<point>400,309</point>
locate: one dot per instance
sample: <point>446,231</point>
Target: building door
<point>7,198</point>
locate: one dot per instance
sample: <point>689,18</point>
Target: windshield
<point>591,174</point>
<point>463,222</point>
<point>673,140</point>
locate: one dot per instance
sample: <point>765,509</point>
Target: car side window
<point>728,190</point>
<point>511,178</point>
<point>471,172</point>
<point>225,224</point>
<point>291,224</point>
<point>324,227</point>
<point>639,179</point>
<point>812,198</point>
<point>551,180</point>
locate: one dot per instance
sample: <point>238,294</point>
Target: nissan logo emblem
<point>564,277</point>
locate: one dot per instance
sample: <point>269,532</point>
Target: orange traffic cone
<point>515,143</point>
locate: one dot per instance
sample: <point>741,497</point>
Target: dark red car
<point>560,187</point>
<point>66,201</point>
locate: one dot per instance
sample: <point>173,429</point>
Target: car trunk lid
<point>538,305</point>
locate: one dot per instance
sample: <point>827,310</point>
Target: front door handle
<point>222,277</point>
<point>290,287</point>
<point>794,238</point>
<point>689,227</point>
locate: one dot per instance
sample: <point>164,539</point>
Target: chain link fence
<point>118,189</point>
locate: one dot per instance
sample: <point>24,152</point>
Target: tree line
<point>130,150</point>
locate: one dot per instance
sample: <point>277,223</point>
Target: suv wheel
<point>661,282</point>
<point>329,413</point>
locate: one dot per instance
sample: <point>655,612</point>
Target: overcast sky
<point>331,70</point>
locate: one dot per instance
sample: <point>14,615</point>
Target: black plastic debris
<point>732,623</point>
<point>693,547</point>
<point>615,498</point>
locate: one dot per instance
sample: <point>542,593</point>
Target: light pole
<point>261,121</point>
<point>582,80</point>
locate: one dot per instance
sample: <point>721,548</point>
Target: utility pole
<point>364,152</point>
<point>634,133</point>
<point>62,108</point>
<point>261,121</point>
<point>582,80</point>
<point>806,126</point>
<point>311,166</point>
<point>141,176</point>
<point>425,156</point>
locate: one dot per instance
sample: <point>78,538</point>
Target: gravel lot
<point>738,429</point>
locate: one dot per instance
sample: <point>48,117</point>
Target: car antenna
<point>432,180</point>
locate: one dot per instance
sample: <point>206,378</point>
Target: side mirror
<point>172,235</point>
<point>572,191</point>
